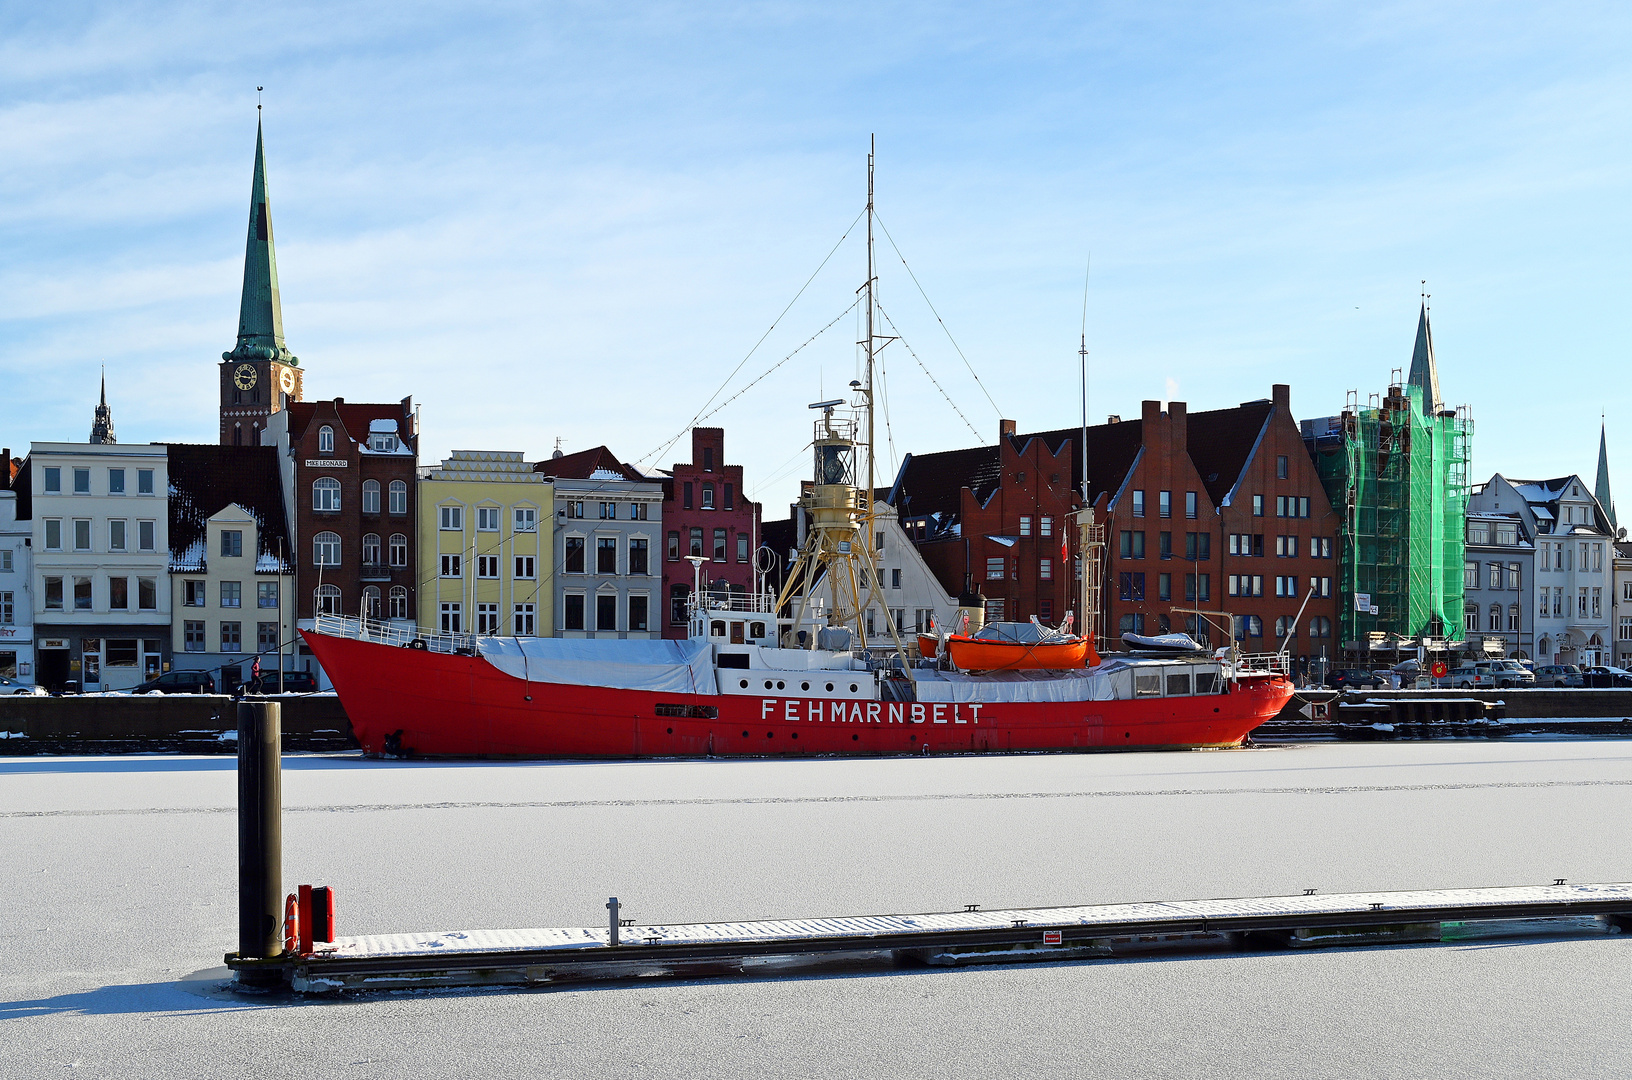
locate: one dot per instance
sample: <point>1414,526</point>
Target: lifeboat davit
<point>1019,646</point>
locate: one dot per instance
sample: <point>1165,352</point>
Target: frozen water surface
<point>119,876</point>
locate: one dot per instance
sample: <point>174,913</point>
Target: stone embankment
<point>148,723</point>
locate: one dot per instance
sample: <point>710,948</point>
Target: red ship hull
<point>408,701</point>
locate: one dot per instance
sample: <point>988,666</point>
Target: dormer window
<point>325,440</point>
<point>381,443</point>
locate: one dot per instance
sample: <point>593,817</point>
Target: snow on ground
<point>120,875</point>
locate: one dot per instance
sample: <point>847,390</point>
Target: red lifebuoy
<point>291,924</point>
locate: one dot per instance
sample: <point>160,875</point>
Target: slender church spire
<point>1424,373</point>
<point>102,426</point>
<point>260,315</point>
<point>1601,488</point>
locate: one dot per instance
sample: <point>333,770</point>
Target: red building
<point>349,476</point>
<point>1218,511</point>
<point>706,514</point>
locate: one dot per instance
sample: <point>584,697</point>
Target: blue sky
<point>572,221</point>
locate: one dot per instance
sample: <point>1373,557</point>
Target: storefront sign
<point>327,463</point>
<point>16,634</point>
<point>53,643</point>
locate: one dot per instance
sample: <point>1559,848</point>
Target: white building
<point>16,603</point>
<point>100,517</point>
<point>1574,565</point>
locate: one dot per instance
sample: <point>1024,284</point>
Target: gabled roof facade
<point>204,480</point>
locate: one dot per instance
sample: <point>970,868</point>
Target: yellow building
<point>482,566</point>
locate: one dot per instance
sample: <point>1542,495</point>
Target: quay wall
<point>184,723</point>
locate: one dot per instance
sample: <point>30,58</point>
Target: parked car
<point>1559,675</point>
<point>1507,673</point>
<point>1356,679</point>
<point>1606,676</point>
<point>12,686</point>
<point>178,682</point>
<point>294,682</point>
<point>1469,677</point>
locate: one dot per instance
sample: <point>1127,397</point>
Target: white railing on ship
<point>763,604</point>
<point>1276,662</point>
<point>386,633</point>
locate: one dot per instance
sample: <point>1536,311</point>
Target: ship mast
<point>1090,535</point>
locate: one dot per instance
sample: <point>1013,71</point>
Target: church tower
<point>102,423</point>
<point>259,376</point>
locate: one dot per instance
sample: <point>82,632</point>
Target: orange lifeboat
<point>1019,646</point>
<point>929,646</point>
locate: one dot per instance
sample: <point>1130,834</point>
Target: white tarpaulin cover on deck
<point>677,667</point>
<point>1075,685</point>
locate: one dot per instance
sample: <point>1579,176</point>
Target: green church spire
<point>1601,488</point>
<point>1424,372</point>
<point>260,315</point>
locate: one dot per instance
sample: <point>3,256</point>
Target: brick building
<point>1220,511</point>
<point>349,481</point>
<point>705,513</point>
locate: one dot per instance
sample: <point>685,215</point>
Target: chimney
<point>1150,412</point>
<point>339,401</point>
<point>1178,427</point>
<point>1281,393</point>
<point>1005,428</point>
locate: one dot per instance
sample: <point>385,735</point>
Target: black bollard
<point>260,838</point>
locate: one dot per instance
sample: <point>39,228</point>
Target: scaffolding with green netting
<point>1397,473</point>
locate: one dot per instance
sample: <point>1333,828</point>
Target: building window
<point>526,519</point>
<point>450,613</point>
<point>1495,575</point>
<point>638,511</point>
<point>1025,525</point>
<point>371,549</point>
<point>194,593</point>
<point>606,555</point>
<point>398,494</point>
<point>397,550</point>
<point>144,481</point>
<point>326,494</point>
<point>522,623</point>
<point>382,442</point>
<point>53,534</point>
<point>147,594</point>
<point>145,535</point>
<point>53,594</point>
<point>1138,503</point>
<point>697,542</point>
<point>266,594</point>
<point>1164,586</point>
<point>1164,545</point>
<point>1470,575</point>
<point>609,511</point>
<point>266,636</point>
<point>708,496</point>
<point>572,509</point>
<point>1626,628</point>
<point>53,480</point>
<point>1303,506</point>
<point>82,481</point>
<point>371,496</point>
<point>1320,547</point>
<point>1513,617</point>
<point>638,618</point>
<point>1545,597</point>
<point>398,599</point>
<point>116,481</point>
<point>325,440</point>
<point>1257,506</point>
<point>326,549</point>
<point>116,535</point>
<point>1164,504</point>
<point>995,568</point>
<point>606,611</point>
<point>232,594</point>
<point>1320,627</point>
<point>1281,469</point>
<point>487,566</point>
<point>574,561</point>
<point>452,566</point>
<point>1470,618</point>
<point>82,595</point>
<point>232,544</point>
<point>1045,571</point>
<point>82,534</point>
<point>326,600</point>
<point>1495,617</point>
<point>1131,586</point>
<point>232,637</point>
<point>639,561</point>
<point>1045,526</point>
<point>1478,532</point>
<point>119,594</point>
<point>1507,534</point>
<point>895,576</point>
<point>572,612</point>
<point>487,618</point>
<point>678,597</point>
<point>525,569</point>
<point>192,636</point>
<point>686,489</point>
<point>451,518</point>
<point>1597,603</point>
<point>742,547</point>
<point>8,608</point>
<point>674,546</point>
<point>719,545</point>
<point>1513,576</point>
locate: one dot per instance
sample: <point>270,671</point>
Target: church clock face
<point>286,380</point>
<point>243,376</point>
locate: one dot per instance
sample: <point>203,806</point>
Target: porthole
<point>806,686</point>
<point>855,738</point>
<point>745,684</point>
<point>830,688</point>
<point>770,734</point>
<point>779,684</point>
<point>852,688</point>
<point>745,734</point>
<point>795,735</point>
<point>671,731</point>
<point>767,684</point>
<point>913,739</point>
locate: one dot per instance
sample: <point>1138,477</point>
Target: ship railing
<point>761,604</point>
<point>1280,663</point>
<point>381,632</point>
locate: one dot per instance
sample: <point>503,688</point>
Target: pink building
<point>705,514</point>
